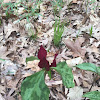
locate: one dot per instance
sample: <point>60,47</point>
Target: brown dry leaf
<point>75,93</point>
<point>49,54</point>
<point>6,1</point>
<point>76,78</point>
<point>95,88</point>
<point>33,65</point>
<point>2,89</point>
<point>86,84</point>
<point>94,49</point>
<point>74,62</point>
<point>12,83</point>
<point>27,74</point>
<point>88,76</point>
<point>74,1</point>
<point>3,49</point>
<point>76,47</point>
<point>52,82</point>
<point>8,29</point>
<point>10,98</point>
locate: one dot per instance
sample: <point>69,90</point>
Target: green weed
<point>91,31</point>
<point>57,5</point>
<point>0,22</point>
<point>58,31</point>
<point>33,35</point>
<point>12,9</point>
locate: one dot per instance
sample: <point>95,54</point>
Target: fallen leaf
<point>76,47</point>
<point>2,89</point>
<point>75,93</point>
<point>1,97</point>
<point>77,79</point>
<point>93,48</point>
<point>74,62</point>
<point>95,88</point>
<point>52,82</point>
<point>74,1</point>
<point>33,65</point>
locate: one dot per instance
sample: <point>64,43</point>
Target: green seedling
<point>91,31</point>
<point>78,34</point>
<point>94,95</point>
<point>33,35</point>
<point>0,22</point>
<point>12,9</point>
<point>58,31</point>
<point>57,6</point>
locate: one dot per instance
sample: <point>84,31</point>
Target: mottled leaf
<point>34,87</point>
<point>89,67</point>
<point>94,95</point>
<point>31,58</point>
<point>66,74</point>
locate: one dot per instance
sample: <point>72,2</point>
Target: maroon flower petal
<point>54,61</point>
<point>44,64</point>
<point>42,53</point>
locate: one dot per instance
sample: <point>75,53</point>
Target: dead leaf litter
<point>21,37</point>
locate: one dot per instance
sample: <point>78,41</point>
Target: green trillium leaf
<point>66,74</point>
<point>89,67</point>
<point>49,73</point>
<point>94,95</point>
<point>98,70</point>
<point>31,58</point>
<point>34,87</point>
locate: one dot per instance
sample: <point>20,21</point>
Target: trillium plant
<point>34,88</point>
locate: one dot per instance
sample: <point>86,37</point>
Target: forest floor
<point>25,26</point>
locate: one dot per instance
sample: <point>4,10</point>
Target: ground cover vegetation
<point>49,50</point>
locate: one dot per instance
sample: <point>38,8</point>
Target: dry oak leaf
<point>74,62</point>
<point>33,65</point>
<point>76,47</point>
<point>75,93</point>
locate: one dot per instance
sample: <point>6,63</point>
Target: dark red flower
<point>43,62</point>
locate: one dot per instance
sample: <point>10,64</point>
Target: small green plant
<point>33,36</point>
<point>57,5</point>
<point>29,11</point>
<point>0,22</point>
<point>94,95</point>
<point>58,31</point>
<point>78,34</point>
<point>34,87</point>
<point>91,31</point>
